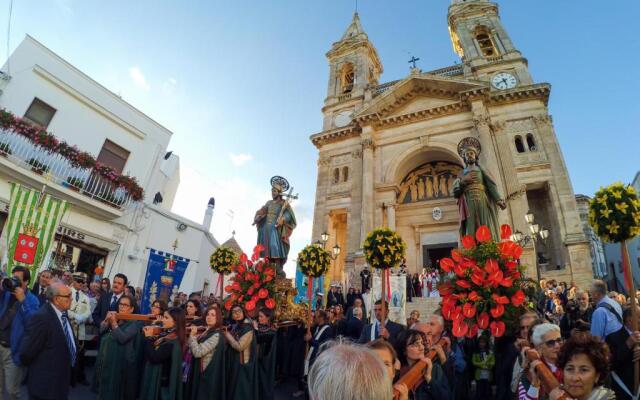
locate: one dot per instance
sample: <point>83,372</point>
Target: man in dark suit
<point>625,350</point>
<point>354,324</point>
<point>44,279</point>
<point>321,334</point>
<point>109,301</point>
<point>49,347</point>
<point>375,330</point>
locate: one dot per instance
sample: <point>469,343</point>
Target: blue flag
<point>302,286</point>
<point>164,274</point>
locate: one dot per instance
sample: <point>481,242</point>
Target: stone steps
<point>425,305</point>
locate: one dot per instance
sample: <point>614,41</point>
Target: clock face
<point>503,81</point>
<point>343,118</point>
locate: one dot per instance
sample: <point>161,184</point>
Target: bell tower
<point>479,38</point>
<point>354,66</point>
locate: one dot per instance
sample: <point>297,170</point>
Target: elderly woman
<point>208,349</point>
<point>584,360</point>
<point>411,348</point>
<point>348,372</point>
<point>547,340</point>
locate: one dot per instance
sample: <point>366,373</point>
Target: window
<point>347,78</point>
<point>39,113</point>
<point>519,144</point>
<point>113,155</point>
<point>531,143</point>
<point>345,174</point>
<point>336,175</point>
<point>483,37</point>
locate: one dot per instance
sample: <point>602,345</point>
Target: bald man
<point>49,347</point>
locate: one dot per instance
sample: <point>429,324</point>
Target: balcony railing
<point>452,70</point>
<point>55,168</point>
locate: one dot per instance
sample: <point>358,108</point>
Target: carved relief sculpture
<point>429,181</point>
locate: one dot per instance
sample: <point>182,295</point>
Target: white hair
<point>357,312</point>
<point>335,371</point>
<point>540,330</point>
<point>438,318</point>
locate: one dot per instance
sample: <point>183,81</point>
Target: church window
<point>345,174</point>
<point>519,144</point>
<point>347,78</point>
<point>483,37</point>
<point>336,175</point>
<point>531,143</point>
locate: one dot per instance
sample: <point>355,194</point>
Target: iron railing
<point>55,168</point>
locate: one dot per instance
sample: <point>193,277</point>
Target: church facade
<point>387,152</point>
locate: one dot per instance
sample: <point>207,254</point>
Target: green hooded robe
<point>210,383</point>
<point>152,388</point>
<point>242,379</point>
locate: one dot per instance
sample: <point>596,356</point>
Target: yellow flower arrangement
<point>222,260</point>
<point>383,248</point>
<point>614,213</point>
<point>314,260</point>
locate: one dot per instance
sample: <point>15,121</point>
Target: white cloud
<point>244,199</point>
<point>138,78</point>
<point>240,159</point>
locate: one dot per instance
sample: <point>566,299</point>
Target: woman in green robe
<point>242,381</point>
<point>162,377</point>
<point>117,364</point>
<point>207,375</point>
<point>266,339</point>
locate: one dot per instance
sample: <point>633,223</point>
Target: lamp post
<point>536,231</point>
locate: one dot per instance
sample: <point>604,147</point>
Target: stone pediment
<point>417,93</point>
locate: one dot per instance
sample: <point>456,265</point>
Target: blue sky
<point>241,83</point>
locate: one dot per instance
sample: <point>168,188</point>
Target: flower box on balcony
<point>74,183</point>
<point>4,149</point>
<point>38,167</point>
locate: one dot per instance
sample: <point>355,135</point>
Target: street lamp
<point>324,238</point>
<point>336,251</point>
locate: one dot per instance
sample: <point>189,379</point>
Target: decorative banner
<point>164,274</point>
<point>302,287</point>
<point>397,291</point>
<point>33,219</point>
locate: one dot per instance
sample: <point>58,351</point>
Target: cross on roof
<point>413,61</point>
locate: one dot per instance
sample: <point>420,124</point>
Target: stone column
<point>367,185</point>
<point>322,186</point>
<point>391,216</point>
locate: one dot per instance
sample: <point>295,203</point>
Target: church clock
<point>504,80</point>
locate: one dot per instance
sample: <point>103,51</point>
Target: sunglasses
<point>552,342</point>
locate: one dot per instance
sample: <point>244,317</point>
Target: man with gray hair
<point>355,324</point>
<point>49,347</point>
<point>348,372</point>
<point>607,316</point>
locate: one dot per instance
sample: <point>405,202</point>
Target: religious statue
<point>275,222</point>
<point>476,192</point>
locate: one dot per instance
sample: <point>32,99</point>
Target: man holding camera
<point>17,305</point>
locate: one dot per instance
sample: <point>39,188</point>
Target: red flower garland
<point>253,284</point>
<point>484,284</point>
<point>77,158</point>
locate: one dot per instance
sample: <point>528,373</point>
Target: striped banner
<point>32,215</point>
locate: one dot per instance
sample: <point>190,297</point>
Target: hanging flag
<point>33,219</point>
<point>162,280</point>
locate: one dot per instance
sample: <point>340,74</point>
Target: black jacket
<point>621,361</point>
<point>354,328</point>
<point>393,328</point>
<point>103,306</point>
<point>45,351</point>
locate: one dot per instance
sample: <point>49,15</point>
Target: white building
<point>103,225</point>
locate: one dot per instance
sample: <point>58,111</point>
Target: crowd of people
<point>196,349</point>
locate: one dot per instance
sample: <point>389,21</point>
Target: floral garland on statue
<point>253,284</point>
<point>222,261</point>
<point>77,158</point>
<point>614,213</point>
<point>484,285</point>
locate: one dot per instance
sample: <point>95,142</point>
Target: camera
<point>11,283</point>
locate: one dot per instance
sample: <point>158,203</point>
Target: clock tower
<point>354,66</point>
<point>486,50</point>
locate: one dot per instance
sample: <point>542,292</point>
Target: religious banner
<point>396,296</point>
<point>31,225</point>
<point>302,287</point>
<point>163,277</point>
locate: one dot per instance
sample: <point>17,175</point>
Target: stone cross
<point>413,61</point>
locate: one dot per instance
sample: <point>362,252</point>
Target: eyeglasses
<point>66,296</point>
<point>417,343</point>
<point>124,305</point>
<point>552,342</point>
